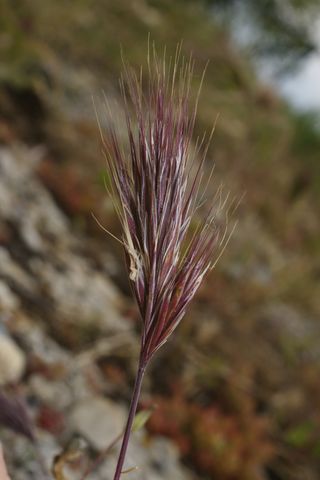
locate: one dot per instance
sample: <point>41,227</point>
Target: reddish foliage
<point>218,444</point>
<point>50,419</point>
<point>69,189</point>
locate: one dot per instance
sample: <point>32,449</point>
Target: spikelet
<point>154,187</point>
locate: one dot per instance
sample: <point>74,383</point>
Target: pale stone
<point>98,420</point>
<point>12,360</point>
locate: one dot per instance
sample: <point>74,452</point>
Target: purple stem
<point>132,412</point>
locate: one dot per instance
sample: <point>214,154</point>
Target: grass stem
<point>132,412</point>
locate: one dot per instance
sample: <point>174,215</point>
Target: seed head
<point>155,180</point>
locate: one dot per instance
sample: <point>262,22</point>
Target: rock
<point>46,264</point>
<point>155,459</point>
<point>26,202</point>
<point>255,262</point>
<point>57,394</point>
<point>76,386</point>
<point>12,360</point>
<point>298,333</point>
<point>13,273</point>
<point>98,420</point>
<point>8,300</point>
<point>159,460</point>
<point>85,382</point>
<point>22,456</point>
<point>81,294</point>
<point>36,342</point>
<point>47,267</point>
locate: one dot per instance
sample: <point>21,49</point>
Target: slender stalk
<point>101,457</point>
<point>132,412</point>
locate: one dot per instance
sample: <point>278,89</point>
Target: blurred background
<point>235,394</point>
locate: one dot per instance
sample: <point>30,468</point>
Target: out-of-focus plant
<point>14,416</point>
<point>155,185</point>
<point>221,444</point>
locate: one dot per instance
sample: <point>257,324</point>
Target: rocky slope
<point>50,284</point>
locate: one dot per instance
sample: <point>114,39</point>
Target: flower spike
<point>155,185</point>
